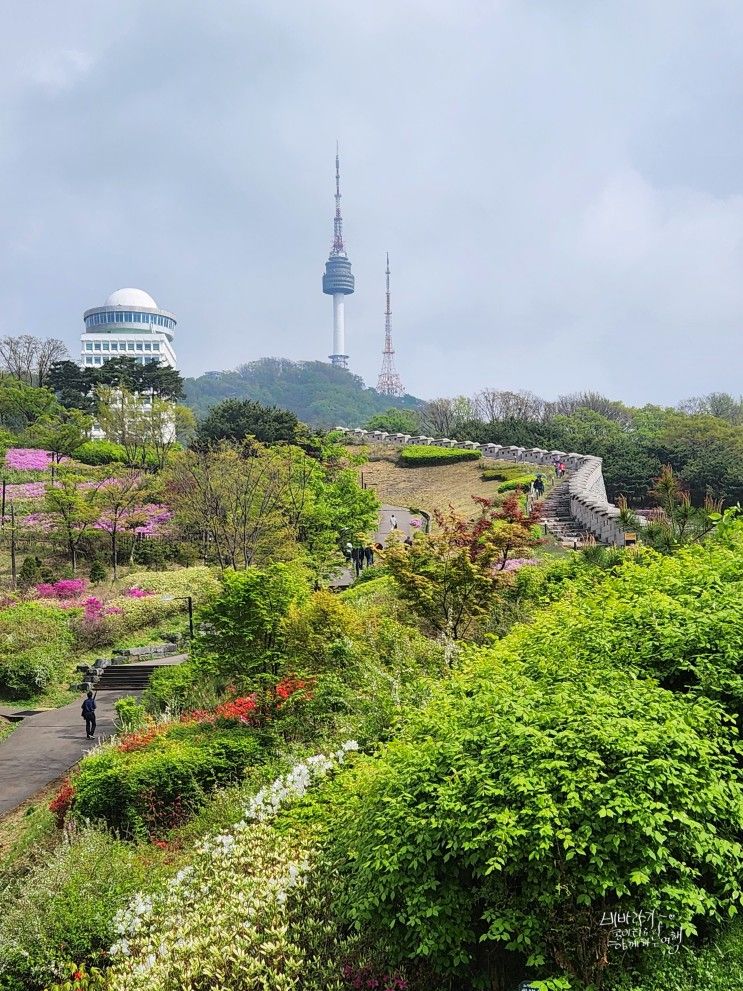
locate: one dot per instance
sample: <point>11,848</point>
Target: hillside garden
<point>483,764</point>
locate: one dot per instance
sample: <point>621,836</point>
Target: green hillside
<point>317,392</point>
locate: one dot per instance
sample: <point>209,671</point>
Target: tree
<point>231,498</point>
<point>74,511</point>
<point>242,631</point>
<point>165,424</point>
<point>450,577</point>
<point>679,522</point>
<point>29,358</point>
<point>118,501</point>
<point>513,812</point>
<point>21,404</point>
<point>122,417</point>
<point>396,421</point>
<point>49,352</point>
<point>60,433</point>
<point>73,386</point>
<point>238,419</point>
<point>437,418</point>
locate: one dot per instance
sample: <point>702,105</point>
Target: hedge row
<point>503,472</point>
<point>147,791</point>
<point>418,455</point>
<point>523,482</point>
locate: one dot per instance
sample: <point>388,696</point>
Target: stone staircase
<point>128,670</point>
<point>557,519</point>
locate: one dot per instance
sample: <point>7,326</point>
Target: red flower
<point>61,804</point>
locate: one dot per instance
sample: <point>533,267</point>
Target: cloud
<point>558,185</point>
<point>58,70</point>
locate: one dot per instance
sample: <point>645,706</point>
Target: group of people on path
<point>559,467</point>
<point>358,556</point>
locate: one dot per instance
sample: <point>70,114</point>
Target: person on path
<point>348,551</point>
<point>369,555</point>
<point>357,557</point>
<point>393,522</point>
<point>539,485</point>
<point>88,714</point>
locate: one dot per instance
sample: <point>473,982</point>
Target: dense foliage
<point>320,394</point>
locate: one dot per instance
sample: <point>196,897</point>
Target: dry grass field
<point>430,487</point>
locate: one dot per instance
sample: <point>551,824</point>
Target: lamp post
<point>189,600</point>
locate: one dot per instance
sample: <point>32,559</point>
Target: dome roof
<point>132,297</point>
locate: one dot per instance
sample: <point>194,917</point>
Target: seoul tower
<point>389,383</point>
<point>338,280</point>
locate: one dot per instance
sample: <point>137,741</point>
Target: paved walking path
<point>403,517</point>
<point>44,747</point>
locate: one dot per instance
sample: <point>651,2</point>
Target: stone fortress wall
<point>588,502</point>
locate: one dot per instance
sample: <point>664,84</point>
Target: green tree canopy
<point>237,419</point>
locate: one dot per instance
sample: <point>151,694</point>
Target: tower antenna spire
<point>338,248</point>
<point>338,280</point>
<point>389,382</point>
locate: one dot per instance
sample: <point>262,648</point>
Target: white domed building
<point>129,323</point>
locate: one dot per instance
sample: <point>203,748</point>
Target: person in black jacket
<point>88,714</point>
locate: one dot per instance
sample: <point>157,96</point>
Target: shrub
<point>318,633</point>
<point>200,582</point>
<point>64,907</point>
<point>418,455</point>
<point>100,452</point>
<point>130,714</point>
<point>513,811</point>
<point>147,790</point>
<point>503,471</point>
<point>35,640</point>
<point>98,572</point>
<point>522,482</point>
<point>30,572</point>
<point>177,688</point>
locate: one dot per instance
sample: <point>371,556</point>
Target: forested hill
<point>319,394</point>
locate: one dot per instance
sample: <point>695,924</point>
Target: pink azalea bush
<point>25,490</point>
<point>137,593</point>
<point>27,459</point>
<point>65,589</point>
<point>37,521</point>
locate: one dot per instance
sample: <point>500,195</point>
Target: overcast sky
<point>559,183</point>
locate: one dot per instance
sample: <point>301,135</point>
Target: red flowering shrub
<point>61,804</point>
<point>139,739</point>
<point>290,686</point>
<point>242,709</point>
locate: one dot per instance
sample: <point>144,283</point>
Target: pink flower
<point>137,593</point>
<point>66,588</point>
<point>27,459</point>
<point>25,490</point>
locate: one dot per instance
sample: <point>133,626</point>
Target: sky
<point>559,183</point>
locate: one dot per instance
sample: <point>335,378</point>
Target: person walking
<point>538,486</point>
<point>356,557</point>
<point>369,555</point>
<point>393,522</point>
<point>88,714</point>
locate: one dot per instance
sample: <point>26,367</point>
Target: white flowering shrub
<point>232,920</point>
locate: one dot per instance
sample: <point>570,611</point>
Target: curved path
<point>403,516</point>
<point>44,747</point>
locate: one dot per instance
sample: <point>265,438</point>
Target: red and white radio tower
<point>389,383</point>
